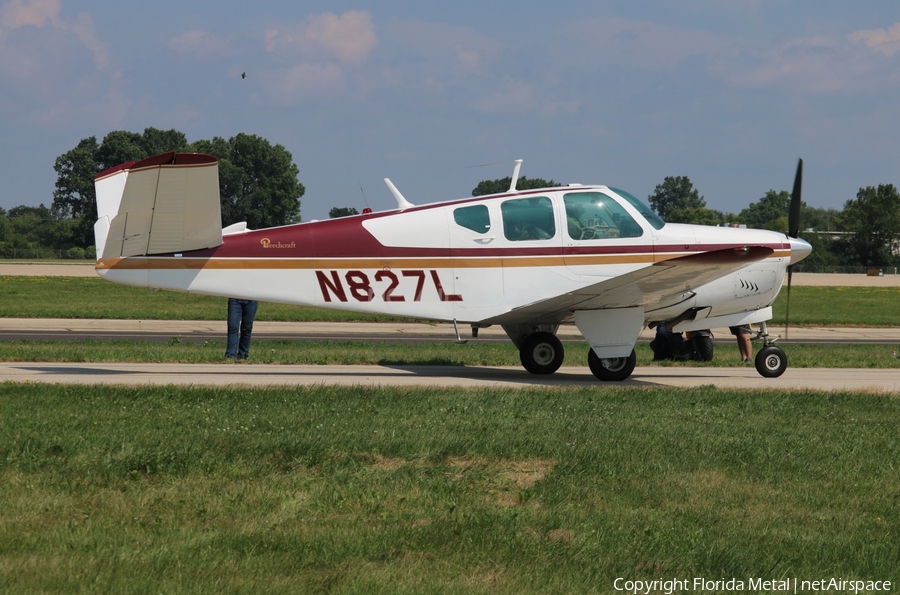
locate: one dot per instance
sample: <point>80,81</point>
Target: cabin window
<point>528,219</point>
<point>651,217</point>
<point>475,217</point>
<point>596,216</point>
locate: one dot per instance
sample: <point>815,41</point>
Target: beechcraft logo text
<point>267,243</point>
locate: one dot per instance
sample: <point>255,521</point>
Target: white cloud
<point>17,14</point>
<point>37,13</point>
<point>446,46</point>
<point>55,68</point>
<point>321,55</point>
<point>825,64</point>
<point>348,38</point>
<point>883,41</point>
<point>305,81</point>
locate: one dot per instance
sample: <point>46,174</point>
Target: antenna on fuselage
<point>402,203</point>
<point>366,200</point>
<point>515,176</point>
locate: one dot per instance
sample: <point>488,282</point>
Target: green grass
<point>80,297</point>
<point>88,297</point>
<point>363,490</point>
<point>375,352</point>
<point>840,306</point>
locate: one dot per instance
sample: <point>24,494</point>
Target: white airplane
<point>527,260</point>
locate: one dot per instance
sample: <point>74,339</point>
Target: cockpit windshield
<point>651,217</point>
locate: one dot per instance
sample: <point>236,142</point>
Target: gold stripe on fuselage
<point>176,263</point>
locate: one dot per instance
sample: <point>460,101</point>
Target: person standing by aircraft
<point>742,334</point>
<point>240,324</point>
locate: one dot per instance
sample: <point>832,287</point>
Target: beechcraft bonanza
<point>527,260</point>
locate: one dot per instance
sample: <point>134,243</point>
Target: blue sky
<point>623,93</point>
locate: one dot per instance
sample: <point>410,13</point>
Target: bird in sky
<point>243,75</point>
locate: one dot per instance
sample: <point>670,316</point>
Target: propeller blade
<point>794,213</point>
<point>793,231</point>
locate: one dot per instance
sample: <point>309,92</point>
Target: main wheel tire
<point>541,353</point>
<point>703,348</point>
<point>611,368</point>
<point>771,362</point>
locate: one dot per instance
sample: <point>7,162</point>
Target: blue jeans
<point>240,324</point>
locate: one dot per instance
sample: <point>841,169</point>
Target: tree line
<point>866,233</point>
<point>258,184</point>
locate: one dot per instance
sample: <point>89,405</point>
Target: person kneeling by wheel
<point>694,345</point>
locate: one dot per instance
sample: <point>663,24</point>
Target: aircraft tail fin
<point>163,204</point>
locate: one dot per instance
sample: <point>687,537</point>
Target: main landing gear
<point>771,361</point>
<point>542,353</point>
<point>611,368</point>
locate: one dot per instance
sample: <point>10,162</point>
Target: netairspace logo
<point>754,585</point>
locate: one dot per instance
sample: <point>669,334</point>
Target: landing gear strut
<point>771,361</point>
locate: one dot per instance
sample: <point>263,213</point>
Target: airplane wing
<point>661,284</point>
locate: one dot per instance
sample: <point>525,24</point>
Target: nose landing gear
<point>771,361</point>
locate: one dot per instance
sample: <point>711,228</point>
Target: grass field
<point>363,490</point>
<point>79,297</point>
<point>338,490</point>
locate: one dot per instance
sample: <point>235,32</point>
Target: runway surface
<point>260,375</point>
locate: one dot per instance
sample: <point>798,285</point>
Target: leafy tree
<point>155,141</point>
<point>35,227</point>
<point>120,146</point>
<point>818,218</point>
<point>766,212</point>
<point>694,215</point>
<point>726,219</point>
<point>823,253</point>
<point>75,171</point>
<point>501,185</point>
<point>675,194</point>
<point>6,230</point>
<point>873,219</point>
<point>337,212</point>
<point>257,181</point>
<point>74,195</point>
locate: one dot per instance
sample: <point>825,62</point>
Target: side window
<point>475,218</point>
<point>595,216</point>
<point>528,219</point>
